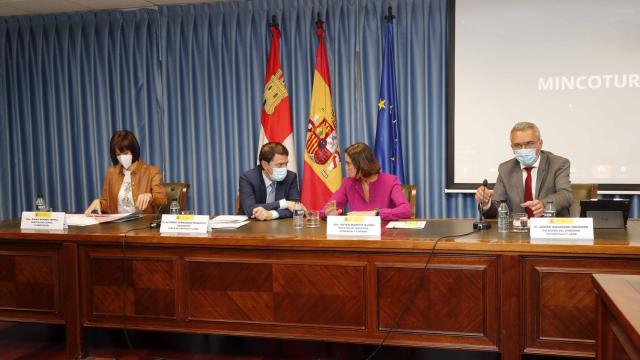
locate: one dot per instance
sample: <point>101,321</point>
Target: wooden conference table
<point>488,291</point>
<point>618,316</point>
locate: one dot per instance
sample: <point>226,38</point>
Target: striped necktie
<point>271,193</point>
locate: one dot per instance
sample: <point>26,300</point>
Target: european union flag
<point>387,148</point>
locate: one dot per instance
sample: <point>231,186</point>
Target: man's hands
<point>261,213</point>
<point>483,196</point>
<point>291,205</point>
<point>536,206</point>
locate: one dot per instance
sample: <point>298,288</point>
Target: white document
<point>117,217</point>
<point>227,225</point>
<point>229,218</point>
<point>228,221</point>
<point>80,220</point>
<point>408,224</point>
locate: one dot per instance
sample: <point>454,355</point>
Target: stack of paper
<point>228,221</point>
<point>82,220</point>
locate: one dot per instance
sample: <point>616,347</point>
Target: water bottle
<point>174,208</point>
<point>40,204</point>
<point>298,215</point>
<point>503,217</point>
<point>550,209</point>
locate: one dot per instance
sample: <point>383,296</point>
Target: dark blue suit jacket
<point>253,192</point>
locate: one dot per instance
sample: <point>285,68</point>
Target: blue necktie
<point>271,193</point>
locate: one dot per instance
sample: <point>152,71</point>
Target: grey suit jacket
<point>253,192</point>
<point>552,182</point>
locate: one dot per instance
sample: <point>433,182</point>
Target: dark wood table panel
<point>456,302</point>
<point>618,316</point>
<point>330,295</point>
<point>485,291</point>
<point>148,280</point>
<point>30,282</point>
<point>559,302</point>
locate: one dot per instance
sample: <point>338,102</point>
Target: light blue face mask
<point>279,174</point>
<point>526,157</point>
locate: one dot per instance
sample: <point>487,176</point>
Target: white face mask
<point>279,174</point>
<point>125,160</point>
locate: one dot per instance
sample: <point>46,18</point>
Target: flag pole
<point>390,15</point>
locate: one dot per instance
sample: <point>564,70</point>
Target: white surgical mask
<point>526,157</point>
<point>125,160</point>
<point>279,174</point>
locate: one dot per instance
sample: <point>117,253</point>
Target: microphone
<point>155,223</point>
<point>481,224</point>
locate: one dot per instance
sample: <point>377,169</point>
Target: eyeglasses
<point>527,145</point>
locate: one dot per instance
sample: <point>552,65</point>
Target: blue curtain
<point>187,80</point>
<point>68,81</point>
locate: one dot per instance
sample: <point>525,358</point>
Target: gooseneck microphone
<point>481,224</point>
<point>155,223</point>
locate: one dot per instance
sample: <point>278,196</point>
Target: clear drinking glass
<point>313,218</point>
<point>519,222</point>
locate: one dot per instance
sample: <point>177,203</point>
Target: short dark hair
<point>122,140</point>
<point>270,149</point>
<point>363,159</point>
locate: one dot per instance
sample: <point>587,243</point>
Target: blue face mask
<point>279,174</point>
<point>526,157</point>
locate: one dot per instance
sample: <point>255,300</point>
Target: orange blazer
<point>145,178</point>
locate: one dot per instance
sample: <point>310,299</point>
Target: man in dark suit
<point>529,180</point>
<point>269,191</point>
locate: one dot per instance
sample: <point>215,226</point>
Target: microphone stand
<point>481,224</point>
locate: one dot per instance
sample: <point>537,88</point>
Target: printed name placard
<point>184,224</point>
<point>353,225</point>
<point>38,220</point>
<point>561,228</point>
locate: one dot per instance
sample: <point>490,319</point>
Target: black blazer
<point>253,192</point>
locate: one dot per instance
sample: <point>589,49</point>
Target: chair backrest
<point>237,203</point>
<point>409,191</point>
<point>175,190</point>
<point>582,192</point>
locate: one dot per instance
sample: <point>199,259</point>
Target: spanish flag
<point>276,114</point>
<point>322,173</point>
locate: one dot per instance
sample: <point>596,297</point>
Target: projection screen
<point>571,66</point>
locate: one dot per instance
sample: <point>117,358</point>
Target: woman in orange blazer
<point>130,185</point>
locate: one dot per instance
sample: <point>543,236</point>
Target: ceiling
<point>33,7</point>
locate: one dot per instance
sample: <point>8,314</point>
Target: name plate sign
<point>353,225</point>
<point>37,220</point>
<point>184,224</point>
<point>561,228</point>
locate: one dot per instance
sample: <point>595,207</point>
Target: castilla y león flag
<point>276,114</point>
<point>322,173</point>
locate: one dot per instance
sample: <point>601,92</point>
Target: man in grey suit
<point>269,191</point>
<point>530,179</point>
